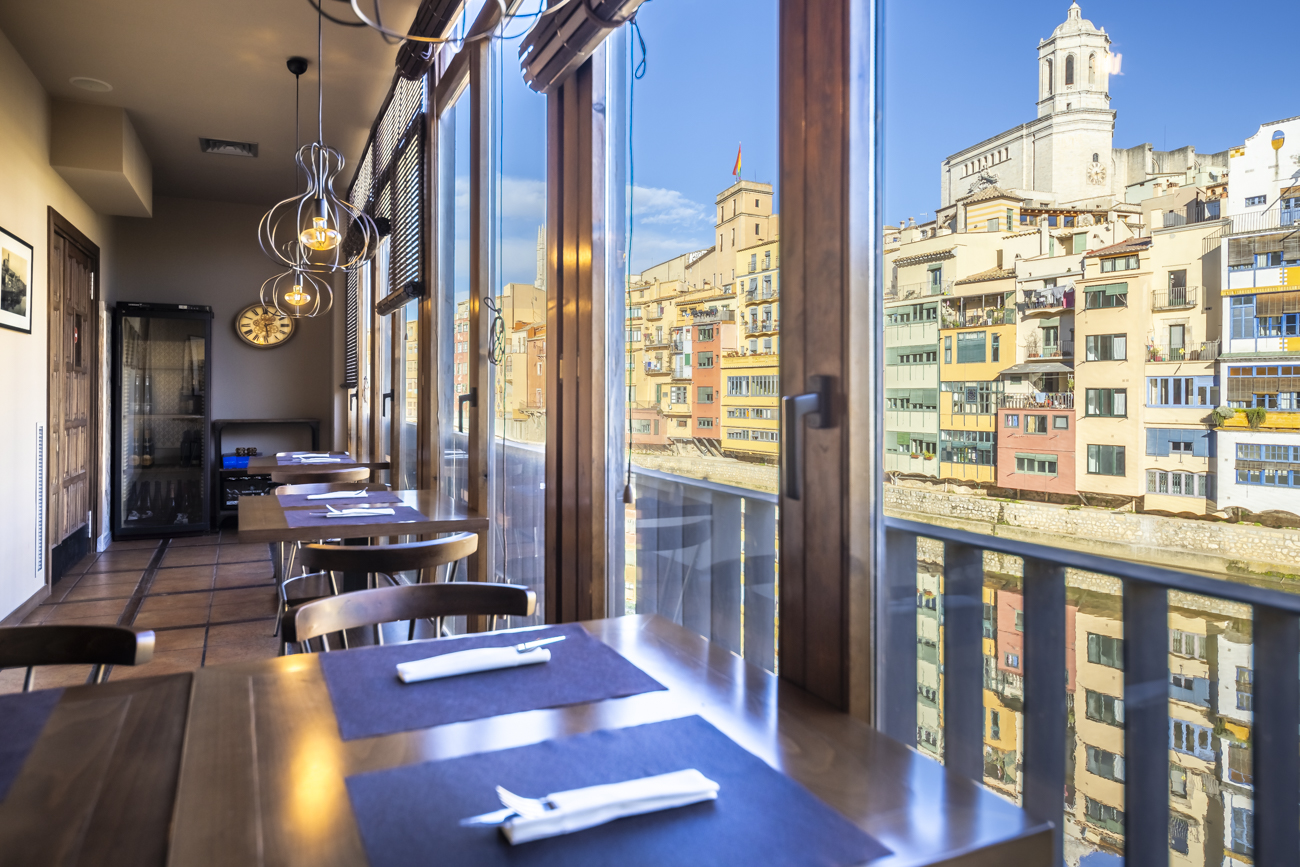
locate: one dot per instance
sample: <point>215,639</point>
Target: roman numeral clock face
<point>263,327</point>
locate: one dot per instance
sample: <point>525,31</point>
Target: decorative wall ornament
<point>983,181</point>
<point>15,283</point>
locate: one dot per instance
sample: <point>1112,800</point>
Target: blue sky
<point>1193,73</point>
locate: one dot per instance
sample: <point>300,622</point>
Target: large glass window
<point>453,323</point>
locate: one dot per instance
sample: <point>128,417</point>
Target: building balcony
<point>912,376</point>
<point>908,291</point>
<point>763,326</point>
<point>656,342</point>
<point>1207,350</point>
<point>1275,217</point>
<point>713,317</point>
<point>1065,349</point>
<point>915,420</point>
<point>1174,299</point>
<point>1038,400</point>
<point>1046,304</point>
<point>901,462</point>
<point>765,294</point>
<point>978,318</point>
<point>657,368</point>
<point>918,334</point>
<point>682,373</point>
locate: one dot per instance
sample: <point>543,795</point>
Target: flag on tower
<point>736,170</point>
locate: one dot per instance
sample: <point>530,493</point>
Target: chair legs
<point>29,679</point>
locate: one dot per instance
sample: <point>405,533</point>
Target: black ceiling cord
<point>315,4</point>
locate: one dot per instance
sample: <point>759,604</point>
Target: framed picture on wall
<point>15,283</point>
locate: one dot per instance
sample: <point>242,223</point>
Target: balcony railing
<point>652,342</point>
<point>1038,400</point>
<point>763,326</point>
<point>714,316</point>
<point>1207,350</point>
<point>1064,349</point>
<point>922,290</point>
<point>1039,302</point>
<point>1276,634</point>
<point>706,558</point>
<point>1175,298</point>
<point>979,318</point>
<point>1275,217</point>
<point>655,368</point>
<point>767,293</point>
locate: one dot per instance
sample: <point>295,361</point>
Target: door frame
<point>58,225</point>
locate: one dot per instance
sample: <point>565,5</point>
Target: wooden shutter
<point>1241,251</point>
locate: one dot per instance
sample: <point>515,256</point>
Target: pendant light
<point>296,293</point>
<point>316,231</point>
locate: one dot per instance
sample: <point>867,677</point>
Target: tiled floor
<point>208,601</point>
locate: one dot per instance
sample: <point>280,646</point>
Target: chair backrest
<point>28,646</point>
<point>388,559</point>
<point>325,488</point>
<point>407,602</point>
<point>320,475</point>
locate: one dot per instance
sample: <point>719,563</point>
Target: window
<point>1243,831</point>
<point>765,386</point>
<point>996,348</point>
<point>1182,391</point>
<point>704,423</point>
<point>767,436</point>
<point>1243,317</point>
<point>1252,201</point>
<point>995,725</point>
<point>972,398</point>
<point>1177,484</point>
<point>1012,420</point>
<point>1178,834</point>
<point>993,225</point>
<point>1119,263</point>
<point>1013,660</point>
<point>1069,70</point>
<point>704,333</point>
<point>1110,818</point>
<point>947,350</point>
<point>1105,708</point>
<point>737,434</point>
<point>640,425</point>
<point>1106,402</point>
<point>990,621</point>
<point>634,312</point>
<point>1245,688</point>
<point>1106,460</point>
<point>1111,295</point>
<point>1060,422</point>
<point>1162,442</point>
<point>1185,737</point>
<point>1106,347</point>
<point>1177,780</point>
<point>737,386</point>
<point>1240,768</point>
<point>1105,650</point>
<point>1105,764</point>
<point>970,347</point>
<point>1186,644</point>
<point>634,335</point>
<point>704,359</point>
<point>704,394</point>
<point>967,447</point>
<point>1036,424</point>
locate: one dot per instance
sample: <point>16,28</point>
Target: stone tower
<point>1073,67</point>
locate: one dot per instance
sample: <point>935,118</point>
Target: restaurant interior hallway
<point>208,600</point>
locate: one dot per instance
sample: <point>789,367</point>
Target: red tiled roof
<point>1132,245</point>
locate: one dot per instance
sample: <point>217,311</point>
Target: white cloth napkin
<point>302,454</point>
<point>338,495</point>
<point>356,513</point>
<point>468,662</point>
<point>578,809</point>
<point>319,460</point>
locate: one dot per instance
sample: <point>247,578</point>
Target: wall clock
<point>263,327</point>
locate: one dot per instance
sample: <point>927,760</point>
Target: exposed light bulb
<point>296,296</point>
<point>320,236</point>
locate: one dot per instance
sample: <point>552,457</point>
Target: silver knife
<point>541,642</point>
<point>496,817</point>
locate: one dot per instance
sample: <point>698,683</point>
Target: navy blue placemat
<point>409,815</point>
<point>292,501</point>
<point>316,517</point>
<point>22,719</point>
<point>369,700</point>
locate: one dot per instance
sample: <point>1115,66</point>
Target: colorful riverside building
<point>1259,447</point>
<point>750,374</point>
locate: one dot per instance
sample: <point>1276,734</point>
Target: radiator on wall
<point>40,498</point>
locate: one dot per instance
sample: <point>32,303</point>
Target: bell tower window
<point>1069,70</point>
<point>1049,87</point>
<point>1092,69</point>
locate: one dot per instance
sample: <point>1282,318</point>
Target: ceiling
<point>214,68</point>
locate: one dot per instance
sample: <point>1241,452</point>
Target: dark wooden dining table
<point>262,777</point>
<point>268,463</point>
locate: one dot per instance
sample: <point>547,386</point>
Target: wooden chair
<point>321,473</point>
<point>288,550</point>
<point>405,602</point>
<point>30,646</point>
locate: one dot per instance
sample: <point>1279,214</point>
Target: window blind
<point>1277,303</point>
<point>433,19</point>
<point>559,43</point>
<point>351,362</point>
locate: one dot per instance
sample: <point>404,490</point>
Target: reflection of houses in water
<point>929,638</point>
<point>1232,673</point>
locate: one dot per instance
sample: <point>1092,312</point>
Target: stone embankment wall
<point>1203,546</point>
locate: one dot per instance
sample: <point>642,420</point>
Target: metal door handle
<point>470,397</point>
<point>388,395</point>
<point>814,407</point>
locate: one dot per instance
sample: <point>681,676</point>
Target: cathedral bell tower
<point>1073,67</point>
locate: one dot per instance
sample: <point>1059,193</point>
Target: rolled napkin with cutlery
<point>354,513</point>
<point>579,809</point>
<point>475,660</point>
<point>303,460</point>
<point>339,495</point>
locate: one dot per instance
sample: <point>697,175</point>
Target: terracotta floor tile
<point>245,574</point>
<point>173,601</point>
<point>202,555</point>
<point>131,577</point>
<point>81,565</point>
<point>163,662</point>
<point>67,611</point>
<point>251,651</point>
<point>114,562</point>
<point>133,545</point>
<point>93,591</point>
<point>244,553</point>
<point>231,612</point>
<point>222,635</point>
<point>167,640</point>
<point>165,583</point>
<point>171,617</point>
<point>194,541</point>
<point>244,594</point>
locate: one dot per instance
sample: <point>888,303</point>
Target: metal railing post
<point>963,659</point>
<point>1045,690</point>
<point>1276,703</point>
<point>1146,723</point>
<point>898,637</point>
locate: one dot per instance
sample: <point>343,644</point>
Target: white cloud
<point>657,205</point>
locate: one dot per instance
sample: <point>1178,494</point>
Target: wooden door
<point>73,370</point>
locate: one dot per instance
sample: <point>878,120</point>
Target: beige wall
<point>30,187</point>
<point>199,252</point>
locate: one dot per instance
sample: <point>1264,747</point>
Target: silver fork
<point>529,808</point>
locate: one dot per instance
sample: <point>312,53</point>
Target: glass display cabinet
<point>161,383</point>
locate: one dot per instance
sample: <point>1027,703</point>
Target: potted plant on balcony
<point>1255,417</point>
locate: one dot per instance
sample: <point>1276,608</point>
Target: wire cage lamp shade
<point>298,294</point>
<point>317,230</point>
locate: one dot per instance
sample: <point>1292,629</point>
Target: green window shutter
<point>1117,289</point>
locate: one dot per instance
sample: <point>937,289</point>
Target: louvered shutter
<point>1153,442</point>
<point>351,362</point>
<point>1241,251</point>
<point>408,217</point>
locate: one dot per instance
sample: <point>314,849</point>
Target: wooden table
<point>261,519</point>
<point>99,785</point>
<point>262,780</point>
<point>263,464</point>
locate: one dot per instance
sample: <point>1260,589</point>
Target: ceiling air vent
<point>228,148</point>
